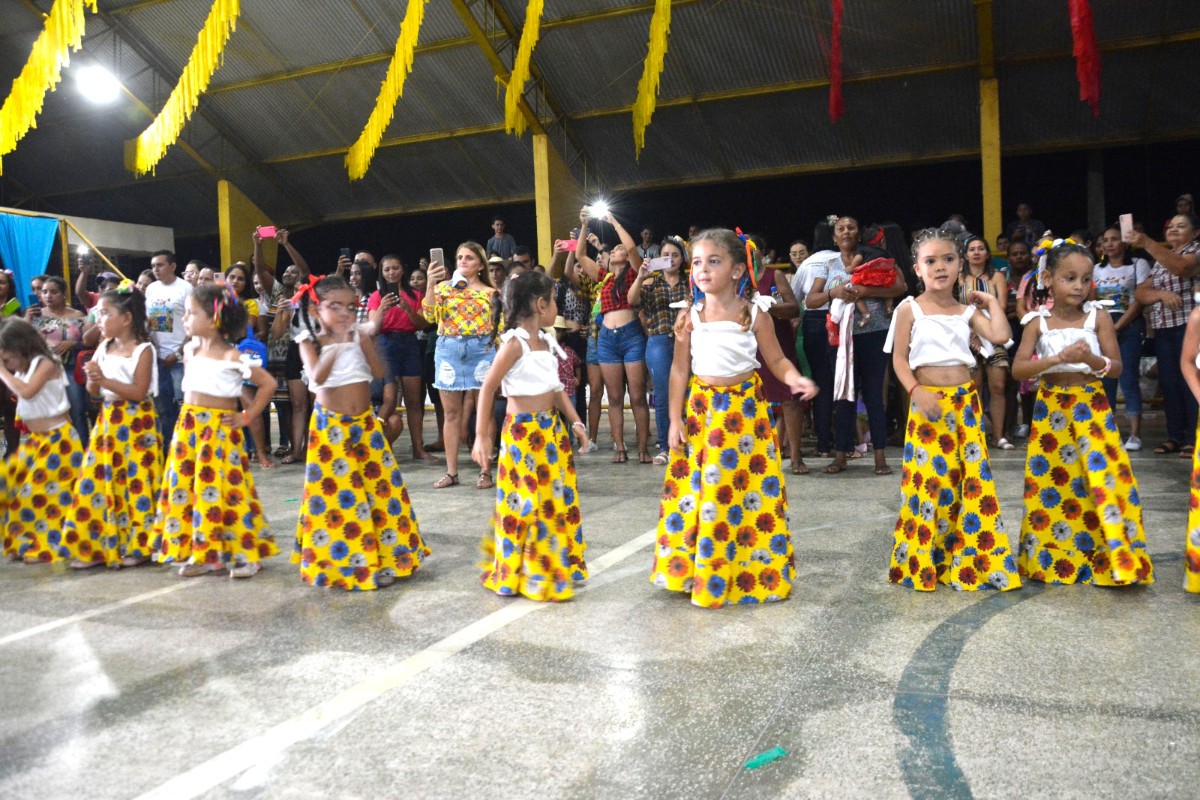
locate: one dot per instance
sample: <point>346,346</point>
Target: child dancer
<point>722,529</point>
<point>209,517</point>
<point>41,478</point>
<point>536,544</point>
<point>1190,364</point>
<point>112,518</point>
<point>1083,520</point>
<point>949,530</point>
<point>357,529</point>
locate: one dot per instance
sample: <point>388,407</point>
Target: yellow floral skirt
<point>208,510</point>
<point>1191,559</point>
<point>112,515</point>
<point>722,528</point>
<point>41,485</point>
<point>1083,516</point>
<point>356,521</point>
<point>950,530</point>
<point>536,546</point>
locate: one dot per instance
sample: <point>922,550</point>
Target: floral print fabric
<point>41,481</point>
<point>1083,515</point>
<point>1191,558</point>
<point>950,530</point>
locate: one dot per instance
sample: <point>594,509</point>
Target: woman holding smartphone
<point>396,308</point>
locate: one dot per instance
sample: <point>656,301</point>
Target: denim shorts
<point>593,354</point>
<point>402,354</point>
<point>460,363</point>
<point>623,345</point>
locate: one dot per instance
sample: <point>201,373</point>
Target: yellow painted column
<point>989,158</point>
<point>557,197</point>
<point>237,217</point>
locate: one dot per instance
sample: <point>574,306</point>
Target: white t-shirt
<point>164,314</point>
<point>806,275</point>
<point>1118,283</point>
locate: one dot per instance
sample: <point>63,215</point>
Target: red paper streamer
<point>837,107</point>
<point>1087,55</point>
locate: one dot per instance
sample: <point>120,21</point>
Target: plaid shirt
<point>657,296</point>
<point>1161,278</point>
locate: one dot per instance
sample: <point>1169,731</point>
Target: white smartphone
<point>1126,225</point>
<point>658,264</point>
<point>437,254</point>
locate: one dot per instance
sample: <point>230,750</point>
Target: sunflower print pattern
<point>535,547</point>
<point>1083,515</point>
<point>41,481</point>
<point>1191,558</point>
<point>950,530</point>
<point>112,514</point>
<point>208,510</point>
<point>356,521</point>
<point>722,529</point>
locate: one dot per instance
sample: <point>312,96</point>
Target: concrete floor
<point>140,684</point>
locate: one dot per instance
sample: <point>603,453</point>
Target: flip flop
<point>1167,447</point>
<point>799,467</point>
<point>834,468</point>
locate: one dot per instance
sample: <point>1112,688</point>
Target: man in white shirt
<point>166,300</point>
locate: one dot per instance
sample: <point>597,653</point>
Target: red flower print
<point>746,581</point>
<point>758,464</point>
<point>678,567</point>
<point>530,483</point>
<point>543,474</point>
<point>947,443</point>
<point>1048,442</point>
<point>933,485</point>
<point>762,429</point>
<point>987,540</point>
<point>895,575</point>
<point>1143,571</point>
<point>573,515</point>
<point>689,538</point>
<point>1124,474</point>
<point>509,523</point>
<point>926,433</point>
<point>1039,519</point>
<point>928,578</point>
<point>770,579</point>
<point>924,534</point>
<point>1060,476</point>
<point>1099,495</point>
<point>741,480</point>
<point>679,469</point>
<point>967,576</point>
<point>716,437</point>
<point>747,536</point>
<point>213,515</point>
<point>766,522</point>
<point>724,495</point>
<point>1091,521</point>
<point>982,562</point>
<point>698,404</point>
<point>910,528</point>
<point>721,531</point>
<point>670,490</point>
<point>988,506</point>
<point>971,488</point>
<point>1124,560</point>
<point>913,565</point>
<point>1063,568</point>
<point>518,431</point>
<point>537,442</point>
<point>1071,508</point>
<point>734,423</point>
<point>548,509</point>
<point>918,481</point>
<point>693,427</point>
<point>229,518</point>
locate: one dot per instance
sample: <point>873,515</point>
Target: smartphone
<point>569,244</point>
<point>1126,225</point>
<point>266,231</point>
<point>658,264</point>
<point>34,302</point>
<point>438,255</point>
<point>345,252</point>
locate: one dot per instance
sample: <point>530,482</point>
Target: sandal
<point>485,480</point>
<point>446,481</point>
<point>883,469</point>
<point>1168,446</point>
<point>1186,451</point>
<point>644,457</point>
<point>799,467</point>
<point>283,450</point>
<point>835,468</point>
<point>621,456</point>
<point>289,459</point>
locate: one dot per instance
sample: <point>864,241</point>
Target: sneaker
<point>244,570</point>
<point>1004,444</point>
<point>194,570</point>
<point>662,458</point>
<point>591,448</point>
<point>1021,432</point>
<point>1133,443</point>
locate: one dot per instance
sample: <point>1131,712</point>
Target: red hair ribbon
<point>309,289</point>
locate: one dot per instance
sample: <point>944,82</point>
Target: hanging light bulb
<point>97,84</point>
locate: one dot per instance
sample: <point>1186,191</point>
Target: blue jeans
<point>78,398</point>
<point>1178,404</point>
<point>1129,341</point>
<point>623,345</point>
<point>170,396</point>
<point>816,349</point>
<point>403,354</point>
<point>660,352</point>
<point>870,371</point>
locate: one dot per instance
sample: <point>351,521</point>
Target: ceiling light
<point>97,84</point>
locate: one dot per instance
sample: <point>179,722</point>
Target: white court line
<point>271,743</point>
<point>95,612</point>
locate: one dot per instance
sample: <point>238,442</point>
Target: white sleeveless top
<point>936,340</point>
<point>50,401</point>
<point>122,368</point>
<point>1052,342</point>
<point>213,376</point>
<point>722,349</point>
<point>536,371</point>
<point>349,363</point>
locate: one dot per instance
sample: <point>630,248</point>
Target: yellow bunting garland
<point>513,119</point>
<point>358,157</point>
<point>151,145</point>
<point>647,95</point>
<point>62,33</point>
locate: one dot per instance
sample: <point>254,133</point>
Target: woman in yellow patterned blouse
<point>461,306</point>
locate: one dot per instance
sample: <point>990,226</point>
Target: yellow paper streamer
<point>514,120</point>
<point>62,33</point>
<point>152,143</point>
<point>358,157</point>
<point>647,95</point>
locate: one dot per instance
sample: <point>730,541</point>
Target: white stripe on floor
<point>271,744</point>
<point>95,612</point>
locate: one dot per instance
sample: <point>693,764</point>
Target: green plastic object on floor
<point>762,759</point>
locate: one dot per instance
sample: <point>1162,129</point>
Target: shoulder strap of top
<point>1089,323</point>
<point>890,341</point>
<point>137,351</point>
<point>695,313</point>
<point>552,343</point>
<point>969,311</point>
<point>520,334</point>
<point>1025,320</point>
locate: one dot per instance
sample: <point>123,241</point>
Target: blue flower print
<point>704,548</point>
<point>143,504</point>
<point>734,515</point>
<point>1050,497</point>
<point>730,550</point>
<point>914,504</point>
<point>1082,412</point>
<point>322,421</point>
<point>970,522</point>
<point>1010,563</point>
<point>1045,559</point>
<point>939,465</point>
<point>1079,487</point>
<point>346,499</point>
<point>969,417</point>
<point>946,497</point>
<point>86,486</point>
<point>552,452</point>
<point>1110,423</point>
<point>716,586</point>
<point>339,550</point>
<point>53,462</point>
<point>748,600</point>
<point>355,434</point>
<point>1096,461</point>
<point>674,522</point>
<point>779,543</point>
<point>770,487</point>
<point>985,470</point>
<point>1040,410</point>
<point>908,451</point>
<point>316,505</point>
<point>394,507</point>
<point>568,495</point>
<point>123,434</point>
<point>749,408</point>
<point>1135,499</point>
<point>1084,542</point>
<point>1084,574</point>
<point>312,473</point>
<point>695,484</point>
<point>720,401</point>
<point>1039,465</point>
<point>377,441</point>
<point>729,458</point>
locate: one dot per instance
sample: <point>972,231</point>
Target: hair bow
<point>125,286</point>
<point>307,288</point>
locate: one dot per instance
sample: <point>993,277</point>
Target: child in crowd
<point>209,516</point>
<point>357,529</point>
<point>1083,520</point>
<point>722,529</point>
<point>111,521</point>
<point>949,530</point>
<point>41,478</point>
<point>1190,364</point>
<point>536,545</point>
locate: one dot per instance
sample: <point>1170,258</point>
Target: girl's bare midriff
<point>45,424</point>
<point>532,404</point>
<point>621,316</point>
<point>209,401</point>
<point>943,377</point>
<point>351,400</point>
<point>725,380</point>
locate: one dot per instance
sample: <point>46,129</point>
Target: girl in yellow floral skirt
<point>723,530</point>
<point>111,520</point>
<point>1191,373</point>
<point>357,529</point>
<point>536,546</point>
<point>41,478</point>
<point>209,517</point>
<point>949,530</point>
<point>1083,515</point>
